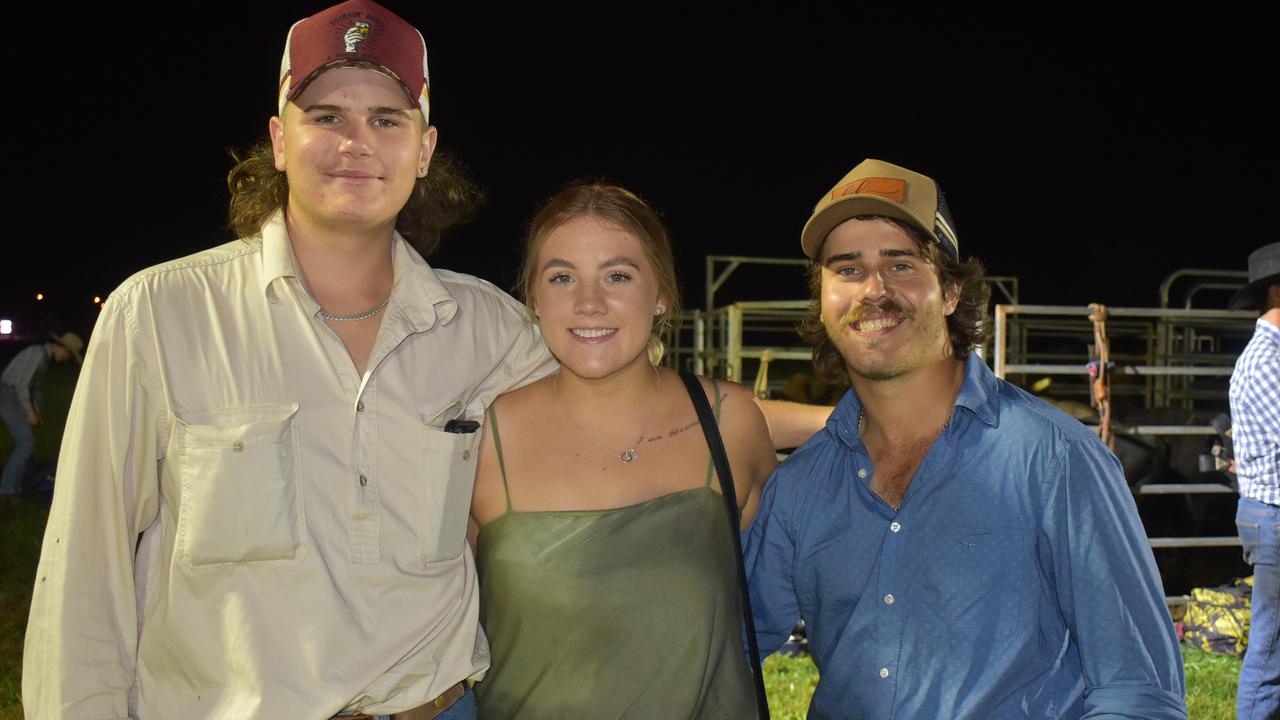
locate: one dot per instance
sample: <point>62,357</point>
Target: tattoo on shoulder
<point>673,432</point>
<point>676,431</point>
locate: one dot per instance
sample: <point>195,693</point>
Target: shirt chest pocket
<point>449,471</point>
<point>241,498</point>
<point>977,582</point>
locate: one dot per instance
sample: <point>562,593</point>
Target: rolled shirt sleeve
<point>81,638</point>
<point>769,557</point>
<point>1109,590</point>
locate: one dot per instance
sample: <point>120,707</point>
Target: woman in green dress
<point>608,579</point>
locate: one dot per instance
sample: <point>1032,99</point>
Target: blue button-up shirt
<point>1014,581</point>
<point>1255,415</point>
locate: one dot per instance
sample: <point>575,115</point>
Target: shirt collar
<point>843,422</point>
<point>1266,329</point>
<point>277,254</point>
<point>979,393</point>
<point>416,289</point>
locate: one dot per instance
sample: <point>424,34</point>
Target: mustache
<point>887,308</point>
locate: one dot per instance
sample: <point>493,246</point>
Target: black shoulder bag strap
<point>712,432</point>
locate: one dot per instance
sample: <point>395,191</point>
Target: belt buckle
<point>425,711</point>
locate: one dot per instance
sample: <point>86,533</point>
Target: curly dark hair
<point>967,328</point>
<point>444,198</point>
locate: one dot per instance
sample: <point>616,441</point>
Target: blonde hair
<point>626,210</point>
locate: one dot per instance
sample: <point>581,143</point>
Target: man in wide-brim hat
<point>1264,275</point>
<point>1255,416</point>
<point>20,400</point>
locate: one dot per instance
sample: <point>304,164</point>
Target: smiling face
<point>595,294</point>
<point>352,146</point>
<point>882,303</point>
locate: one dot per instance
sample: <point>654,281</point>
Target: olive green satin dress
<point>632,612</point>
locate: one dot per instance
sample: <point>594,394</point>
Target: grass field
<point>1211,685</point>
<point>789,681</point>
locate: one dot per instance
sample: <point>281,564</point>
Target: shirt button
<point>359,406</point>
<point>888,599</point>
<point>363,481</point>
<point>884,673</point>
<point>466,454</point>
<point>894,526</point>
<point>237,446</point>
<point>862,473</point>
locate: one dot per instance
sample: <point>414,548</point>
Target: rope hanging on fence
<point>761,388</point>
<point>1099,372</point>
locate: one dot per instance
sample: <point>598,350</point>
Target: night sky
<point>1089,153</point>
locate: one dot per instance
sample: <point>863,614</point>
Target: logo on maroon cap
<point>357,34</point>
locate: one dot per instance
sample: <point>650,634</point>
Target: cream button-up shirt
<point>245,527</point>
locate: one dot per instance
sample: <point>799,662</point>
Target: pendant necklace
<point>630,454</point>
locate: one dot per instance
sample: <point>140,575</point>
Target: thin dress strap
<point>497,445</point>
<point>715,409</point>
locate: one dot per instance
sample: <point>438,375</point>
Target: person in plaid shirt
<point>20,400</point>
<point>1255,415</point>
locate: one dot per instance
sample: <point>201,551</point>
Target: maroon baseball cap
<point>361,31</point>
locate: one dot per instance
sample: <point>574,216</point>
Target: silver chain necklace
<point>862,416</point>
<point>630,454</point>
<point>325,315</point>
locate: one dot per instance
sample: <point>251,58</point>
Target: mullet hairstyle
<point>968,327</point>
<point>623,209</point>
<point>444,198</point>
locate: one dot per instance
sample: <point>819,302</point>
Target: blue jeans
<point>1258,694</point>
<point>464,709</point>
<point>24,440</point>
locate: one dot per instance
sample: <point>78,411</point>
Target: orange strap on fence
<point>1099,372</point>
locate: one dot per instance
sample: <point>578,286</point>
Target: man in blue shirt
<point>957,548</point>
<point>1255,416</point>
<point>20,400</point>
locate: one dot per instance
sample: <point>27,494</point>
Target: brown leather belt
<point>422,712</point>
